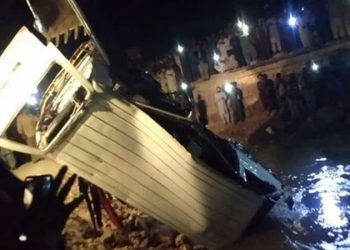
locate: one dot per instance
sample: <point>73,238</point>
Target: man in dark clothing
<point>202,117</point>
<point>237,50</point>
<point>236,105</point>
<point>262,91</point>
<point>262,40</point>
<point>267,93</point>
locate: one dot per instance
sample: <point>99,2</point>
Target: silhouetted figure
<point>202,117</point>
<point>40,226</point>
<point>235,102</point>
<point>267,93</point>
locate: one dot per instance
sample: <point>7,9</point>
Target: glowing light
<point>184,86</point>
<point>243,27</point>
<point>321,159</point>
<point>332,215</point>
<point>315,67</point>
<point>180,48</point>
<point>216,57</point>
<point>38,26</point>
<point>228,88</point>
<point>239,24</point>
<point>35,91</point>
<point>245,30</point>
<point>32,101</point>
<point>23,238</point>
<point>292,21</point>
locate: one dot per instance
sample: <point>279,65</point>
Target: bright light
<point>228,88</point>
<point>184,86</point>
<point>332,215</point>
<point>315,67</point>
<point>180,49</point>
<point>292,21</point>
<point>38,26</point>
<point>32,101</point>
<point>216,57</point>
<point>302,9</point>
<point>243,27</point>
<point>245,30</point>
<point>22,238</point>
<point>239,24</point>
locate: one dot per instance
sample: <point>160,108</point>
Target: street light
<point>216,57</point>
<point>180,48</point>
<point>315,67</point>
<point>228,88</point>
<point>292,21</point>
<point>184,86</point>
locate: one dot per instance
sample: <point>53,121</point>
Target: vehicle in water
<point>133,141</point>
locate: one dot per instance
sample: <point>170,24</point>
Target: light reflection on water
<point>321,214</point>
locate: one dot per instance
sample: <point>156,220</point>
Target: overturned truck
<point>134,142</point>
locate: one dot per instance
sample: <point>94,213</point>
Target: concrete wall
<point>247,80</point>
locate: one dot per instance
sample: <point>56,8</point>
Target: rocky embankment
<point>141,232</point>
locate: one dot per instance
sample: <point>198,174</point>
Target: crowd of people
<point>292,97</point>
<point>248,42</point>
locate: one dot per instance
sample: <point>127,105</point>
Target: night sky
<point>154,26</point>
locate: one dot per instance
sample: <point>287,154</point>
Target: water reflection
<point>320,218</point>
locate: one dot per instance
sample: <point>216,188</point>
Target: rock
<point>185,247</point>
<point>166,235</point>
<point>162,246</point>
<point>116,240</point>
<point>125,248</point>
<point>135,239</point>
<point>144,244</point>
<point>144,222</point>
<point>199,247</point>
<point>180,240</point>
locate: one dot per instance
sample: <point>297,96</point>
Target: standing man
<point>335,12</point>
<point>281,87</point>
<point>262,88</point>
<point>203,69</point>
<point>223,46</point>
<point>26,124</point>
<point>236,106</point>
<point>347,17</point>
<point>262,40</point>
<point>275,38</point>
<point>201,113</point>
<point>170,76</point>
<point>304,30</point>
<point>220,99</point>
<point>237,49</point>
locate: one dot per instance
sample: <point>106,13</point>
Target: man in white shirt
<point>221,101</point>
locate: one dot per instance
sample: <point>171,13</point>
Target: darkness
<point>153,25</point>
